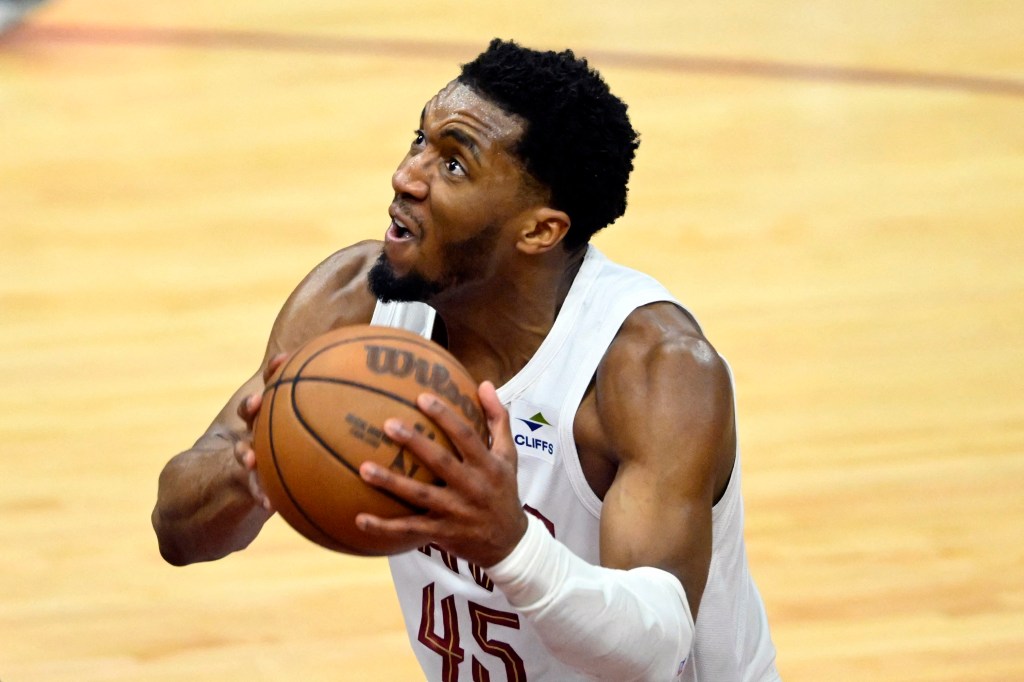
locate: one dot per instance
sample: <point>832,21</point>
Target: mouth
<point>399,230</point>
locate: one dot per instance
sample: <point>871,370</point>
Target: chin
<point>388,286</point>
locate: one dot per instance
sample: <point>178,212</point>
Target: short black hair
<point>578,141</point>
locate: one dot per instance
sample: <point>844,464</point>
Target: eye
<point>417,138</point>
<point>454,166</point>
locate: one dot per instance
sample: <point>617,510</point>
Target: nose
<point>410,178</point>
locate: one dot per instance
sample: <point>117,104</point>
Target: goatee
<point>389,287</point>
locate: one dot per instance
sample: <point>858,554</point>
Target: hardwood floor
<point>834,188</point>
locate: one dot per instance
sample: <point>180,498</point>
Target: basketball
<point>323,415</point>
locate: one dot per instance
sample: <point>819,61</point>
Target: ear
<point>547,227</point>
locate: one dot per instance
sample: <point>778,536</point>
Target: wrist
<point>523,575</point>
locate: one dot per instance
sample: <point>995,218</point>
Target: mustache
<point>403,208</point>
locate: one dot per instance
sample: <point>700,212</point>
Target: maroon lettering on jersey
<point>548,523</point>
<point>447,558</point>
<point>481,578</point>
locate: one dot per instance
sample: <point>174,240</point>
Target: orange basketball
<point>323,415</point>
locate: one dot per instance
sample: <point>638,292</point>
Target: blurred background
<point>834,188</point>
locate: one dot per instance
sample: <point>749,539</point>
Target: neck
<point>496,326</point>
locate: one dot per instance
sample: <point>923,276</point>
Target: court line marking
<point>268,41</point>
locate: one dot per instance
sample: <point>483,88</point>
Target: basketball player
<point>600,534</point>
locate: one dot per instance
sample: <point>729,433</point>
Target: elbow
<point>170,550</point>
<point>172,555</point>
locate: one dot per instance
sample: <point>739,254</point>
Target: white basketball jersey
<point>460,626</point>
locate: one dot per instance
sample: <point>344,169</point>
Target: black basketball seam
<point>284,483</point>
<point>417,341</point>
<point>330,449</point>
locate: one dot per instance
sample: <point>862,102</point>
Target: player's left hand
<point>477,515</point>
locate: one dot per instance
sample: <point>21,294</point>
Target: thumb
<point>497,422</point>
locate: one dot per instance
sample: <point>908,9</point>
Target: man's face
<point>460,198</point>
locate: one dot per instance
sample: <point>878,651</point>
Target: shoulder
<point>343,270</point>
<point>660,342</point>
<point>334,294</point>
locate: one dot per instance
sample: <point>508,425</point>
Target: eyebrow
<point>460,137</point>
<point>464,140</point>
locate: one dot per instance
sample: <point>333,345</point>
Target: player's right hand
<point>245,455</point>
<point>248,410</point>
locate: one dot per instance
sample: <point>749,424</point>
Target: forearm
<point>613,624</point>
<point>204,509</point>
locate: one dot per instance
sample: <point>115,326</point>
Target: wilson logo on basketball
<point>430,375</point>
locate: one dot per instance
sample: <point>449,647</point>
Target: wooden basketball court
<point>834,188</point>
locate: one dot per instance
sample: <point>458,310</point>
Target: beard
<point>463,262</point>
<point>388,287</point>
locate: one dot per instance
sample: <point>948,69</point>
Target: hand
<point>248,410</point>
<point>477,515</point>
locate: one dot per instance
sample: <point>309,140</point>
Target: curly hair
<point>578,142</point>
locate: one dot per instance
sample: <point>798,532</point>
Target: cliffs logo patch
<point>536,443</point>
<point>535,422</point>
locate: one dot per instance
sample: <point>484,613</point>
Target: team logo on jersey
<point>535,422</point>
<point>533,435</point>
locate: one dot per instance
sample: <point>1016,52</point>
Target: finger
<point>249,408</point>
<point>441,462</point>
<point>256,490</point>
<point>244,454</point>
<point>466,440</point>
<point>421,495</point>
<point>415,530</point>
<point>272,366</point>
<point>498,422</point>
<point>246,458</point>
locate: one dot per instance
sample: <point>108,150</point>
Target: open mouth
<point>398,231</point>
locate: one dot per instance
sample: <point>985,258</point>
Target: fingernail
<point>396,428</point>
<point>429,403</point>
